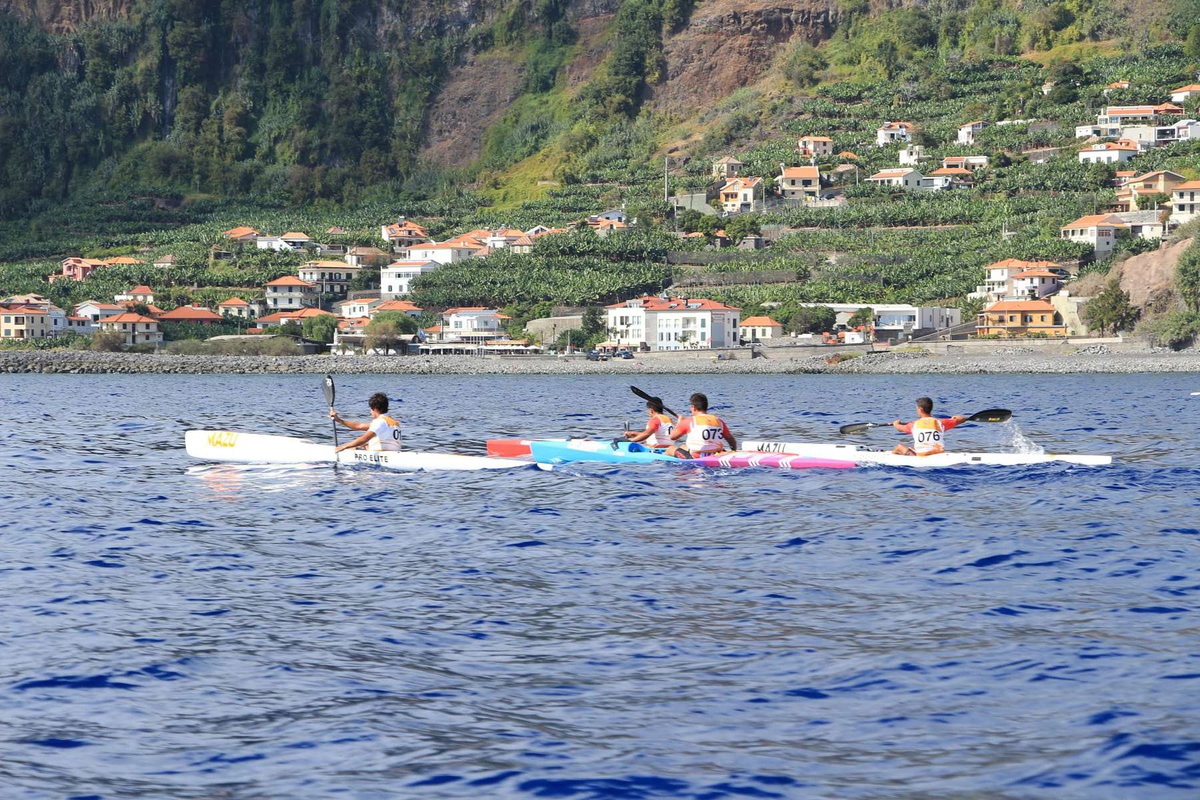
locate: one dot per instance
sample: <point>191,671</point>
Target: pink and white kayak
<point>564,451</point>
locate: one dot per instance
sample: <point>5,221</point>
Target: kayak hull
<point>886,457</point>
<point>577,450</point>
<point>258,448</point>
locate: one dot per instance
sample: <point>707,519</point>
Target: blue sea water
<point>173,629</point>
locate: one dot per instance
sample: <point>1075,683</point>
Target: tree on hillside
<point>1187,276</point>
<point>320,329</point>
<point>742,226</point>
<point>810,319</point>
<point>864,316</point>
<point>1110,310</point>
<point>405,323</point>
<point>387,331</point>
<point>595,321</point>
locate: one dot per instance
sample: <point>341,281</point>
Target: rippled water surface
<point>175,629</point>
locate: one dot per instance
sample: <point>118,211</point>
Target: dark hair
<point>699,401</point>
<point>925,404</point>
<point>654,404</point>
<point>379,402</point>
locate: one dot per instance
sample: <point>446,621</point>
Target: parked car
<point>595,355</point>
<point>624,354</point>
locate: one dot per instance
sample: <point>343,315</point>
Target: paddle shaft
<point>989,415</point>
<point>330,393</point>
<point>645,396</point>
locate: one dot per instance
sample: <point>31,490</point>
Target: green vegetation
<point>1110,310</point>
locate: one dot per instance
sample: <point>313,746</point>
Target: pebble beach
<point>1093,360</point>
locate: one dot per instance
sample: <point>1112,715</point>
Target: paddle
<point>990,415</point>
<point>330,393</point>
<point>645,396</point>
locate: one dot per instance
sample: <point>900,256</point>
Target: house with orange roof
<point>949,178</point>
<point>297,315</point>
<point>134,328</point>
<point>1111,120</point>
<point>1034,284</point>
<point>1133,186</point>
<point>814,146</point>
<point>847,154</point>
<point>1119,85</point>
<point>21,322</point>
<point>741,194</point>
<point>96,311</point>
<point>968,132</point>
<point>237,307</point>
<point>800,184</point>
<point>998,278</point>
<point>404,233</point>
<point>673,323</point>
<point>892,132</point>
<point>755,329</point>
<point>330,279</point>
<point>195,314</point>
<point>75,268</point>
<point>122,261</point>
<point>1185,93</point>
<point>1185,202</point>
<point>1098,230</point>
<point>398,307</point>
<point>138,294</point>
<point>356,307</point>
<point>1109,152</point>
<point>1019,318</point>
<point>241,234</point>
<point>971,163</point>
<point>290,242</point>
<point>1184,130</point>
<point>288,293</point>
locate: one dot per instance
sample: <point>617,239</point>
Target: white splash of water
<point>1021,443</point>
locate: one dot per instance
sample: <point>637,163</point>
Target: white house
<point>404,233</point>
<point>1185,93</point>
<point>1185,202</point>
<point>329,278</point>
<point>237,307</point>
<point>800,184</point>
<point>1162,135</point>
<point>138,294</point>
<point>473,324</point>
<point>966,133</point>
<point>444,253</point>
<point>912,155</point>
<point>358,307</point>
<point>1034,284</point>
<point>134,328</point>
<point>971,163</point>
<point>998,280</point>
<point>95,311</point>
<point>896,320</point>
<point>1098,230</point>
<point>673,323</point>
<point>395,280</point>
<point>891,132</point>
<point>1109,153</point>
<point>815,146</point>
<point>898,177</point>
<point>288,242</point>
<point>288,293</point>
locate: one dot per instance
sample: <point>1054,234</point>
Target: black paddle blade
<point>329,390</point>
<point>991,415</point>
<point>859,427</point>
<point>645,396</point>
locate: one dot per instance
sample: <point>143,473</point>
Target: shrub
<point>108,342</point>
<point>1176,331</point>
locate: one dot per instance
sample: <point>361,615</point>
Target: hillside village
<point>1015,297</point>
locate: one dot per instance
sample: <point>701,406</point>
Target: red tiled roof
<point>288,280</point>
<point>759,322</point>
<point>1021,305</point>
<point>191,314</point>
<point>128,316</point>
<point>233,301</point>
<point>241,232</point>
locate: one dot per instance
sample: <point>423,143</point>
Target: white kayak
<point>861,455</point>
<point>258,448</point>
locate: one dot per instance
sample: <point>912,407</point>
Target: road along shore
<point>1003,359</point>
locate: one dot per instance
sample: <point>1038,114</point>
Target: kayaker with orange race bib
<point>927,430</point>
<point>702,432</point>
<point>658,430</point>
<point>381,433</point>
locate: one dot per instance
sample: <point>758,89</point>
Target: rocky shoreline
<point>998,361</point>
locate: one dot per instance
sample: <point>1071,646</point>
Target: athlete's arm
<point>682,429</point>
<point>358,441</point>
<point>732,442</point>
<point>351,424</point>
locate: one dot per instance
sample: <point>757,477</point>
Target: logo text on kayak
<point>222,439</point>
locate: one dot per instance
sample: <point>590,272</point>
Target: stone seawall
<point>1096,359</point>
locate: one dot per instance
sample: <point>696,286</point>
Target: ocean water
<point>173,629</point>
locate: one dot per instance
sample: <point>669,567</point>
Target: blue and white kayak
<point>618,452</point>
<point>861,455</point>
